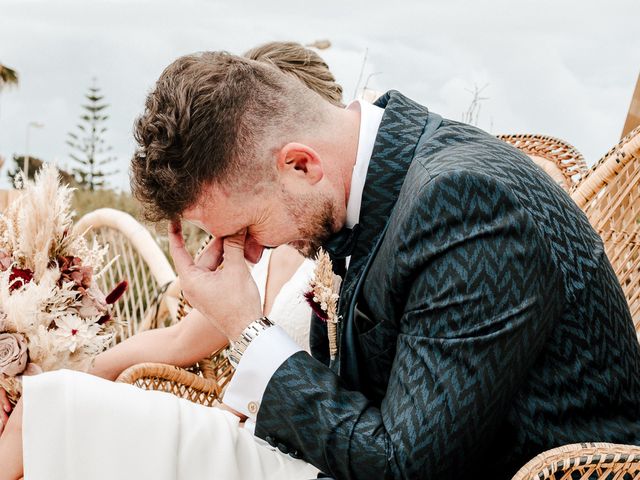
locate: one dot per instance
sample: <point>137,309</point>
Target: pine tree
<point>90,150</point>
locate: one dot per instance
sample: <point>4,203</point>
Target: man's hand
<point>5,409</point>
<point>225,294</point>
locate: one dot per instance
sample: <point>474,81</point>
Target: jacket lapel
<point>403,123</point>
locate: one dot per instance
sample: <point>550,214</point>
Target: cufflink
<point>253,407</point>
<point>295,454</point>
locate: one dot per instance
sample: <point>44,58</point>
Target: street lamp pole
<point>25,167</point>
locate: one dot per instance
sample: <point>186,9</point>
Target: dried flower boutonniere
<point>323,297</point>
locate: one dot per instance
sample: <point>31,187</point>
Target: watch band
<point>238,347</point>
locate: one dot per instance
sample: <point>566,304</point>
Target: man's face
<point>271,218</point>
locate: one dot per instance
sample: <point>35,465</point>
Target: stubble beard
<point>314,217</point>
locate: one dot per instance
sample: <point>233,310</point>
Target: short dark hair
<point>203,115</point>
<point>209,120</point>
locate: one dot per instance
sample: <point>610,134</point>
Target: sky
<point>561,68</point>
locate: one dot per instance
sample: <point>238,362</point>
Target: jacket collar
<point>403,123</point>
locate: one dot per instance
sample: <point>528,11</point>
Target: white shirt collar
<point>370,119</point>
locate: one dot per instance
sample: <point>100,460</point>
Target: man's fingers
<point>211,256</point>
<point>234,247</point>
<point>181,257</point>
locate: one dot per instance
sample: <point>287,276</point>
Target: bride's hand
<point>225,294</point>
<point>5,409</point>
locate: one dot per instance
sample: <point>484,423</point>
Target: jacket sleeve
<point>481,295</point>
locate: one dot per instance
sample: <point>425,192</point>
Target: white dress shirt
<point>273,346</point>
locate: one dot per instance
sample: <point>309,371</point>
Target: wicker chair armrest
<point>174,380</point>
<point>584,461</point>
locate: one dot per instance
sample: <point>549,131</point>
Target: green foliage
<point>90,152</point>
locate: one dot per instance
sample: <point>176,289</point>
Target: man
<point>481,322</point>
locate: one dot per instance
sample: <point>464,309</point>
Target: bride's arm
<point>182,344</point>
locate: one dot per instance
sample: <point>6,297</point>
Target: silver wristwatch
<point>238,347</point>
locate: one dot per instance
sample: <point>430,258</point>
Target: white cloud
<point>562,68</point>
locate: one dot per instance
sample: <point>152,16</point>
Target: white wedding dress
<point>80,427</point>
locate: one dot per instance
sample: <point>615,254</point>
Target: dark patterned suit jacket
<point>482,322</point>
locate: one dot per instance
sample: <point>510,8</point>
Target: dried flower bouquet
<point>52,313</point>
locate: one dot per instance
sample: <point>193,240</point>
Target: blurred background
<point>561,68</point>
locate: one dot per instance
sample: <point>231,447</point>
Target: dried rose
<point>19,277</point>
<point>13,354</point>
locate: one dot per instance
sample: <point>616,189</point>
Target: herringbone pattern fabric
<point>482,320</point>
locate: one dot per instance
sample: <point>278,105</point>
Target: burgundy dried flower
<point>71,270</point>
<point>82,276</point>
<point>315,306</point>
<point>117,292</point>
<point>19,277</point>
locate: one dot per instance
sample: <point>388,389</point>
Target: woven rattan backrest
<point>610,196</point>
<point>584,461</point>
<point>558,158</point>
<point>140,261</point>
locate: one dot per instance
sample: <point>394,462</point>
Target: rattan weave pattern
<point>554,155</point>
<point>610,197</point>
<point>584,461</point>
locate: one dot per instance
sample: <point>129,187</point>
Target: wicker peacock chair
<point>140,261</point>
<point>610,196</point>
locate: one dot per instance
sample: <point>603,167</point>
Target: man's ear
<point>300,162</point>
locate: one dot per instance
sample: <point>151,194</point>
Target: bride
<point>204,438</point>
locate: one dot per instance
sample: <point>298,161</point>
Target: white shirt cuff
<point>260,360</point>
